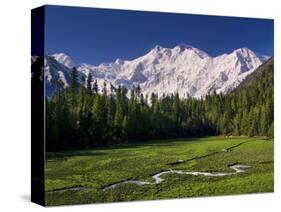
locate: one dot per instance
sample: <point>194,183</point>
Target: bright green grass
<point>97,168</point>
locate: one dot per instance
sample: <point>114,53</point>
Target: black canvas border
<point>38,106</point>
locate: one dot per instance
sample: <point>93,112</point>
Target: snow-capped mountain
<point>183,69</point>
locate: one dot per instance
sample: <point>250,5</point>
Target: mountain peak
<point>180,47</point>
<point>119,61</point>
<point>248,53</point>
<point>244,50</point>
<point>157,48</point>
<point>64,59</point>
<point>183,47</point>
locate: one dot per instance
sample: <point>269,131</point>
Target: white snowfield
<point>183,69</point>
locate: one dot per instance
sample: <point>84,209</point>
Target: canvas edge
<point>38,107</point>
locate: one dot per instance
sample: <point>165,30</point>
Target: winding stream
<point>157,177</point>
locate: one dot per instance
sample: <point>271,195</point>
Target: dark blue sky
<point>97,35</point>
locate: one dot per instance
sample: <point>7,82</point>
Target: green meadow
<point>78,177</point>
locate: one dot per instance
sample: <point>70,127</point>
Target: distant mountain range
<point>183,69</point>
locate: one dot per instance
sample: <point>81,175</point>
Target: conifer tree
<point>89,83</point>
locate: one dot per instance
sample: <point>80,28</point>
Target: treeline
<point>88,116</point>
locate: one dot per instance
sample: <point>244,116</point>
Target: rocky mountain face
<point>257,75</point>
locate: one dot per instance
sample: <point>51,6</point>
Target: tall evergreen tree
<point>89,83</point>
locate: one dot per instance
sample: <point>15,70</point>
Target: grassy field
<point>81,176</point>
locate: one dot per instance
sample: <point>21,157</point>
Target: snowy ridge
<point>183,69</point>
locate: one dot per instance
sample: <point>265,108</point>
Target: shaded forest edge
<point>83,117</point>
